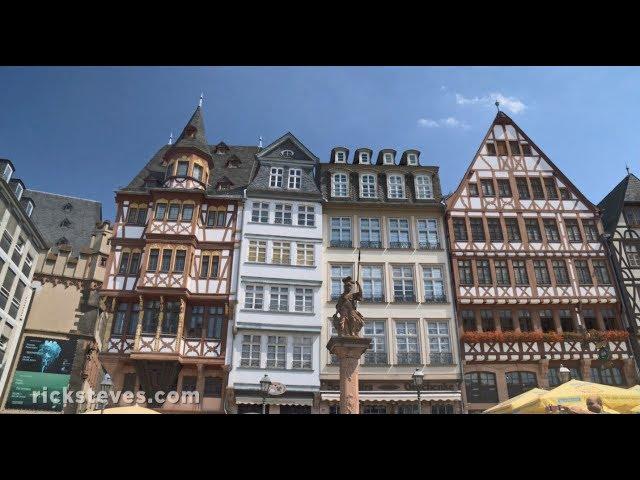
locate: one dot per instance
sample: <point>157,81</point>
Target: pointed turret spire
<point>193,135</point>
<point>171,138</point>
<point>260,141</point>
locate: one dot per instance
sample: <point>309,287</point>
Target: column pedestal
<point>349,350</point>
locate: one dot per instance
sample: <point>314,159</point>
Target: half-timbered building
<point>532,281</point>
<point>383,225</point>
<point>169,289</point>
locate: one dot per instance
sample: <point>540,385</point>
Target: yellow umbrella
<point>574,393</point>
<point>135,410</point>
<point>635,388</point>
<point>635,409</point>
<point>516,402</point>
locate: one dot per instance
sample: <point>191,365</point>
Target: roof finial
<point>171,139</point>
<point>201,99</point>
<point>260,141</point>
<point>628,169</point>
<point>498,106</point>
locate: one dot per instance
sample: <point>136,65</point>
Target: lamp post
<point>105,386</point>
<point>564,373</point>
<point>265,384</point>
<point>418,379</point>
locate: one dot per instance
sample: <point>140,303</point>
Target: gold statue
<point>347,320</point>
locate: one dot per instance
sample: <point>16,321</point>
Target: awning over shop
<point>274,401</point>
<point>392,396</point>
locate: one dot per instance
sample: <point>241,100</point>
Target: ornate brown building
<point>532,281</point>
<point>169,289</point>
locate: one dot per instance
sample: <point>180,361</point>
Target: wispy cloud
<point>511,104</point>
<point>450,122</point>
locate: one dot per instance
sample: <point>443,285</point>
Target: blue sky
<point>87,131</point>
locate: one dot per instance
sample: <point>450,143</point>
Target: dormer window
<point>62,241</point>
<point>67,207</point>
<point>19,191</point>
<point>424,187</point>
<point>396,186</point>
<point>341,157</point>
<point>276,177</point>
<point>183,168</point>
<point>29,209</point>
<point>387,158</point>
<point>364,158</point>
<point>295,178</point>
<point>339,185</point>
<point>412,159</point>
<point>6,174</point>
<point>287,153</point>
<point>66,223</point>
<point>197,172</point>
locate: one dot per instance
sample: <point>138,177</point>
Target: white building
<point>278,314</point>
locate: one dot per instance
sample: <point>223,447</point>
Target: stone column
<point>349,350</point>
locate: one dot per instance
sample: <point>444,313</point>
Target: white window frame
<point>253,358</point>
<point>399,274</point>
<point>399,226</point>
<point>302,354</point>
<point>424,191</point>
<point>295,179</point>
<point>371,190</point>
<point>6,174</point>
<point>364,158</point>
<point>368,229</point>
<point>433,277</point>
<point>303,301</point>
<point>275,178</point>
<point>261,211</point>
<point>378,337</point>
<point>305,254</point>
<point>396,190</point>
<point>278,298</point>
<point>276,348</point>
<point>338,188</point>
<point>407,343</point>
<point>251,295</point>
<point>369,281</point>
<point>306,215</point>
<point>257,250</point>
<point>341,156</point>
<point>438,334</point>
<point>387,158</point>
<point>412,159</point>
<point>283,250</point>
<point>287,153</point>
<point>335,279</point>
<point>430,228</point>
<point>342,229</point>
<point>283,214</point>
<point>19,191</point>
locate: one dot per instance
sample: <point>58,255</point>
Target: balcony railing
<point>435,299</point>
<point>341,243</point>
<point>370,244</point>
<point>441,358</point>
<point>375,358</point>
<point>429,246</point>
<point>404,298</point>
<point>412,358</point>
<point>404,245</point>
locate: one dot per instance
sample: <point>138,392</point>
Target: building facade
<point>64,311</point>
<point>533,283</point>
<point>383,225</point>
<point>169,290</point>
<point>21,245</point>
<point>278,314</point>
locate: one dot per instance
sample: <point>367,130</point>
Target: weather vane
<point>260,141</point>
<point>171,139</point>
<point>497,105</point>
<point>628,169</point>
<point>201,99</point>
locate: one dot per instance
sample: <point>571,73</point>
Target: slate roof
<point>628,190</point>
<point>193,134</point>
<point>60,216</point>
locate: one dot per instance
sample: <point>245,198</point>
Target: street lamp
<point>105,386</point>
<point>265,385</point>
<point>564,373</point>
<point>418,379</point>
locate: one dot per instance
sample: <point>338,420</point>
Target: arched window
<point>368,186</point>
<point>339,185</point>
<point>424,188</point>
<point>396,186</point>
<point>520,382</point>
<point>481,387</point>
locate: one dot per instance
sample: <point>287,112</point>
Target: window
<point>183,167</point>
<point>526,149</point>
<point>546,321</point>
<point>554,377</point>
<point>403,284</point>
<point>633,215</point>
<point>377,354</point>
<point>215,320</point>
<point>304,300</point>
<point>486,320</point>
<point>276,351</point>
<point>473,190</point>
<point>481,387</point>
<point>523,188</point>
<point>573,231</point>
<point>341,231</point>
<point>633,256</point>
<point>550,185</point>
<point>520,382</point>
<point>439,343</point>
<point>28,263</point>
<point>407,343</point>
<point>364,158</point>
<point>477,230</point>
<point>135,215</point>
<point>412,159</point>
<point>260,212</point>
<point>174,211</point>
<point>7,284</point>
<point>197,172</point>
<point>551,230</point>
<point>17,250</point>
<point>520,272</point>
<point>254,297</point>
<point>399,233</point>
<point>484,272</point>
<point>607,376</point>
<point>602,274</point>
<point>514,147</point>
<point>387,159</point>
<point>589,317</point>
<point>187,213</point>
<point>590,230</point>
<point>212,387</point>
<point>513,229</point>
<point>533,230</point>
<point>502,147</point>
<point>372,283</point>
<point>491,149</point>
<point>217,218</point>
<point>584,275</point>
<point>524,319</point>
<point>370,233</point>
<point>279,299</point>
<point>609,318</point>
<point>502,272</point>
<point>283,214</point>
<point>487,188</point>
<point>506,320</point>
<point>213,259</point>
<point>196,321</point>
<point>150,316</point>
<point>459,230</point>
<point>368,186</point>
<point>433,284</point>
<point>134,266</point>
<point>424,188</point>
<point>566,321</point>
<point>275,179</point>
<point>464,272</point>
<point>250,356</point>
<point>536,188</point>
<point>287,153</point>
<point>180,261</point>
<point>167,255</point>
<point>306,216</point>
<point>428,233</point>
<point>565,194</point>
<point>257,251</point>
<point>469,321</point>
<point>504,188</point>
<point>396,186</point>
<point>560,272</point>
<point>161,208</point>
<point>341,157</point>
<point>6,241</point>
<point>189,383</point>
<point>374,410</point>
<point>305,254</point>
<point>338,272</point>
<point>441,409</point>
<point>295,178</point>
<point>124,263</point>
<point>6,174</point>
<point>281,253</point>
<point>542,272</point>
<point>17,299</point>
<point>339,185</point>
<point>302,350</point>
<point>171,318</point>
<point>495,229</point>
